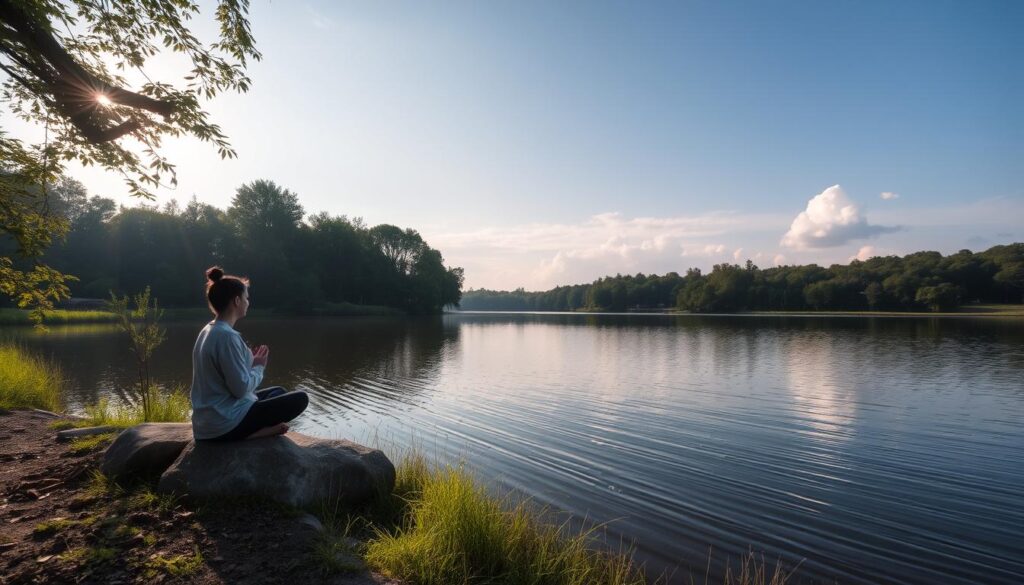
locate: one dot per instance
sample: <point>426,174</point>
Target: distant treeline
<point>923,280</point>
<point>294,264</point>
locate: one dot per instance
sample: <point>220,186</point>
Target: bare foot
<point>278,429</point>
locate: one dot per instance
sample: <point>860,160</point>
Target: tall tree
<point>267,221</point>
<point>401,247</point>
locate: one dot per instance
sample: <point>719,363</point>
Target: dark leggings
<point>273,405</point>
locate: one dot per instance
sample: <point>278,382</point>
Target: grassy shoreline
<point>13,317</point>
<point>968,311</point>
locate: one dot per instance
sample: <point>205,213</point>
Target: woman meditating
<point>225,373</point>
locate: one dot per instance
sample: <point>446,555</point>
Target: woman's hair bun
<point>214,274</point>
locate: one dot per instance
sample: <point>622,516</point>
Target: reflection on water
<point>868,450</point>
<point>817,396</point>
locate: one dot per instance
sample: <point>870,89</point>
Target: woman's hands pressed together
<point>260,355</point>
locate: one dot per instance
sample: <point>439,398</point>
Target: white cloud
<point>830,220</point>
<point>538,256</point>
<point>865,253</point>
<point>543,255</point>
<point>887,195</point>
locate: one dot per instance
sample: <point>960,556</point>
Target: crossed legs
<point>269,415</point>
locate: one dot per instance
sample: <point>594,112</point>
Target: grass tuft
<point>336,552</point>
<point>83,445</point>
<point>144,498</point>
<point>453,532</point>
<point>52,526</point>
<point>103,486</point>
<point>754,570</point>
<point>28,381</point>
<point>175,566</point>
<point>61,425</point>
<point>90,555</point>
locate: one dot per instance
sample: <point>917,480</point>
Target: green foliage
<point>941,297</point>
<point>91,443</point>
<point>923,280</point>
<point>325,265</point>
<point>142,325</point>
<point>65,65</point>
<point>453,532</point>
<point>29,381</point>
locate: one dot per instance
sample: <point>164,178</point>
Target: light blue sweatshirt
<point>224,381</point>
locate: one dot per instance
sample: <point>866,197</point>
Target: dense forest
<point>923,280</point>
<point>295,262</point>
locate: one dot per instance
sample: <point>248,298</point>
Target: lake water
<point>865,449</point>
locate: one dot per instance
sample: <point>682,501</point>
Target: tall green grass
<point>441,527</point>
<point>171,406</point>
<point>55,317</point>
<point>28,381</point>
<point>451,531</point>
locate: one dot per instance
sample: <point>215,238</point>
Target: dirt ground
<point>60,524</point>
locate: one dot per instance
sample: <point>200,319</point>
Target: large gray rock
<point>146,450</point>
<point>293,469</point>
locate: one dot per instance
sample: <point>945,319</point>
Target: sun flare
<point>103,100</point>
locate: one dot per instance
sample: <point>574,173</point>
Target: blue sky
<point>543,143</point>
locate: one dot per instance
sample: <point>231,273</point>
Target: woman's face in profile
<point>244,302</point>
